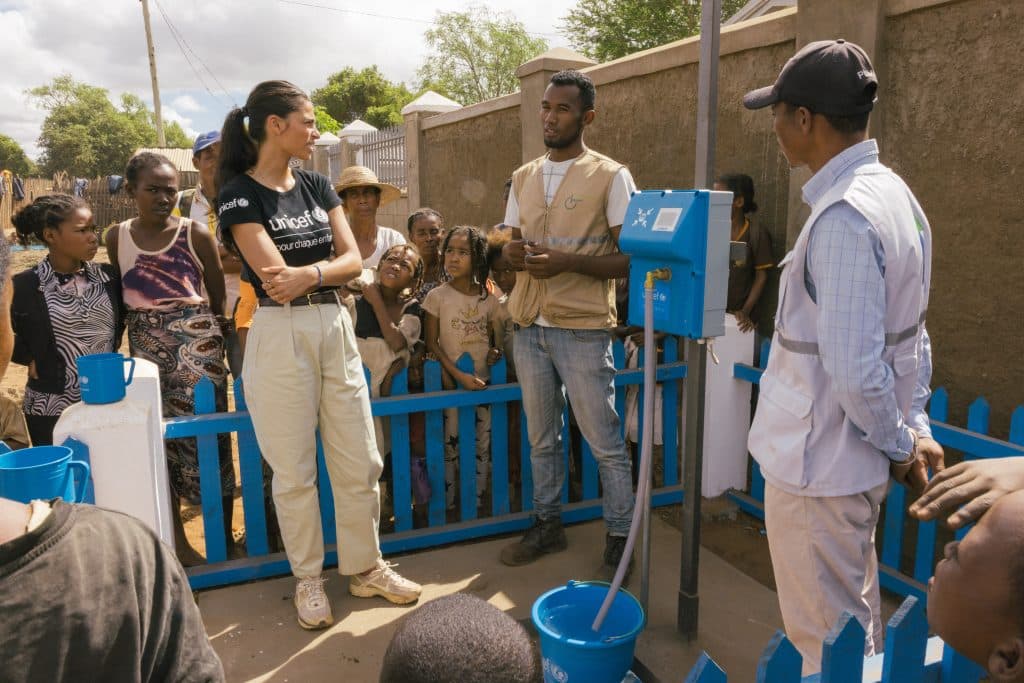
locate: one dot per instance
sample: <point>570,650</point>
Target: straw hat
<point>360,176</point>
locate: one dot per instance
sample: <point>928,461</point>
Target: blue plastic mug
<point>42,473</point>
<point>101,377</point>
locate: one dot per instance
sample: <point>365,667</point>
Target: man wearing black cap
<point>842,399</point>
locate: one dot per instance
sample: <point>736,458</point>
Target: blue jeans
<point>550,362</point>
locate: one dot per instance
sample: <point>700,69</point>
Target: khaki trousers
<point>302,371</point>
<point>823,554</point>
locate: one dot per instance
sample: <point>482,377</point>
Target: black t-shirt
<point>93,595</point>
<point>366,324</point>
<point>296,220</point>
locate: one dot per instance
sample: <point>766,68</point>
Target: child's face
<point>155,191</point>
<point>74,237</point>
<point>972,597</point>
<point>458,259</point>
<point>504,274</point>
<point>397,269</point>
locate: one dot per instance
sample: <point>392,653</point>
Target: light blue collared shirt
<point>844,275</point>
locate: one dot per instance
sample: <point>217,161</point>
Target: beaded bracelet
<point>319,276</point>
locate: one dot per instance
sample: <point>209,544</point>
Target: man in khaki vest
<point>565,210</point>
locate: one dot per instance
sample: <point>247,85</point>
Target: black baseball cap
<point>830,77</point>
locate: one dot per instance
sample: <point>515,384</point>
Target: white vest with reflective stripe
<point>801,437</point>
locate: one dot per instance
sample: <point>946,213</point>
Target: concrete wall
<point>395,214</point>
<point>952,126</point>
<point>465,164</point>
<point>948,120</point>
<point>649,123</point>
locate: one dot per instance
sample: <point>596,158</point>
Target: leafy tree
<point>13,157</point>
<point>366,95</point>
<point>475,54</point>
<point>325,123</point>
<point>86,135</point>
<point>609,29</point>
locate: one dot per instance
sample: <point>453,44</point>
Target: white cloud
<point>187,103</point>
<point>241,42</point>
<point>171,115</point>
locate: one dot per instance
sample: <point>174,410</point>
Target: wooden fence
<point>902,570</point>
<point>909,657</point>
<point>106,208</point>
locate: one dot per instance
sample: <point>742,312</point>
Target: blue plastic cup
<point>42,473</point>
<point>101,377</point>
<point>571,651</point>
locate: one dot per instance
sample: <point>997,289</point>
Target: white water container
<point>727,413</point>
<point>126,450</point>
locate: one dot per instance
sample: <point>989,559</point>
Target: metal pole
<point>696,352</point>
<point>161,140</point>
<point>707,92</point>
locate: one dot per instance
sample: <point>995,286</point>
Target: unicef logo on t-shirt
<point>320,214</point>
<point>243,202</point>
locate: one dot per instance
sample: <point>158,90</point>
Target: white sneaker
<point>312,604</point>
<point>385,582</point>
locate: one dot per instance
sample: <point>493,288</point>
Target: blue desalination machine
<point>685,232</point>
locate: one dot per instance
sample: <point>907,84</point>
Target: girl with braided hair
<point>63,308</point>
<point>462,317</point>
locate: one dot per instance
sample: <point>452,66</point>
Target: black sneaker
<point>545,536</point>
<point>613,549</point>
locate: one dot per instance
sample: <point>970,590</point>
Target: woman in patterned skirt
<point>63,308</point>
<point>164,262</point>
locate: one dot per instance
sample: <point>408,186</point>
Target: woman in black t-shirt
<point>747,277</point>
<point>302,369</point>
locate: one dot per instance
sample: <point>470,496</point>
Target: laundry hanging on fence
<point>17,189</point>
<point>81,184</point>
<point>114,183</point>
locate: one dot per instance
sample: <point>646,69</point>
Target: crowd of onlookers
<point>322,290</point>
<point>430,292</point>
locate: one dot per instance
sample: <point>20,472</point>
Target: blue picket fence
<point>499,395</point>
<point>910,656</point>
<point>908,576</point>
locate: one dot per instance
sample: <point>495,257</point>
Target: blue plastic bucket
<point>101,377</point>
<point>42,473</point>
<point>570,650</point>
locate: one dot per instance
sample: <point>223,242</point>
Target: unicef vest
<point>801,437</point>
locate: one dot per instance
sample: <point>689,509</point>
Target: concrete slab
<point>252,627</point>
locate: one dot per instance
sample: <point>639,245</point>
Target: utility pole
<point>161,140</point>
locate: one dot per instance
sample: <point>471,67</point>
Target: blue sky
<point>232,44</point>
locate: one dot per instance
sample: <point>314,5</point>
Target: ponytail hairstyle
<point>47,211</point>
<point>245,128</point>
<point>741,185</point>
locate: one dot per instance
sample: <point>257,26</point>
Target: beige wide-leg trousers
<point>302,371</point>
<point>823,554</point>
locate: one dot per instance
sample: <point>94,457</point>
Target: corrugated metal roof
<point>180,157</point>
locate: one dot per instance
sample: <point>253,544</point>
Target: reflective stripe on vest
<point>807,348</point>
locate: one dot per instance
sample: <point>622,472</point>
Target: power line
<point>185,48</point>
<point>389,16</point>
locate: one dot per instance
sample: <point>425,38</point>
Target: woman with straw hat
<point>362,194</point>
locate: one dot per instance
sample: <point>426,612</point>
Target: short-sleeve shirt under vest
<point>574,222</point>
